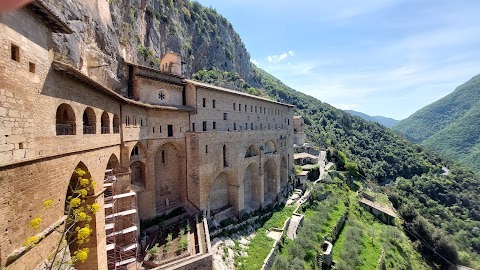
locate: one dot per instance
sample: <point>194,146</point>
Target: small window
<point>170,130</point>
<point>289,122</point>
<point>234,106</point>
<point>31,67</point>
<point>225,163</point>
<point>160,129</point>
<point>213,103</point>
<point>225,116</point>
<point>246,126</point>
<point>251,108</point>
<point>214,125</point>
<point>204,102</point>
<point>141,122</point>
<point>206,148</point>
<point>135,121</point>
<point>239,107</point>
<point>163,156</point>
<point>204,125</point>
<point>193,127</point>
<point>234,126</point>
<point>255,109</point>
<point>245,107</point>
<point>15,52</point>
<point>153,129</point>
<point>261,126</point>
<point>20,146</point>
<point>251,126</point>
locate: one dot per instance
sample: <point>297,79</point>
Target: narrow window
<point>204,125</point>
<point>193,127</point>
<point>289,122</point>
<point>214,124</point>
<point>269,126</point>
<point>213,103</point>
<point>225,163</point>
<point>204,102</point>
<point>180,129</point>
<point>31,67</point>
<point>141,122</point>
<point>134,121</point>
<point>126,120</point>
<point>251,108</point>
<point>251,126</point>
<point>245,107</point>
<point>234,126</point>
<point>225,116</point>
<point>163,156</point>
<point>20,146</point>
<point>239,107</point>
<point>15,52</point>
<point>234,106</point>
<point>170,130</point>
<point>246,126</point>
<point>206,148</point>
<point>261,126</point>
<point>255,109</point>
<point>153,129</point>
<point>160,129</point>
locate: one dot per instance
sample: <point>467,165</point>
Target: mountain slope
<point>450,125</point>
<point>386,121</point>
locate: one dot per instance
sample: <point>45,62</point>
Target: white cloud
<point>278,58</point>
<point>255,62</point>
<point>346,106</point>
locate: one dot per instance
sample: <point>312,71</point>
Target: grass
<point>261,245</point>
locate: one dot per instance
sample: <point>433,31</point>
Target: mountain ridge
<point>386,121</point>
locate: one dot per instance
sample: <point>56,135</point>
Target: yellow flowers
<point>35,223</point>
<point>75,202</point>
<point>80,172</point>
<point>84,182</point>
<point>81,254</point>
<point>47,204</point>
<point>83,234</point>
<point>94,184</point>
<point>93,208</point>
<point>83,192</point>
<point>31,241</point>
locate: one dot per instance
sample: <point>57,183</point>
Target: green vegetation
<point>388,122</point>
<point>450,125</point>
<point>261,244</point>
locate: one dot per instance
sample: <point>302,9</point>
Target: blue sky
<point>380,57</point>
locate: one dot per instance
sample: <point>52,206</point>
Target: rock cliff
<point>106,33</point>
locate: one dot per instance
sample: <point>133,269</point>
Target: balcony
<point>105,130</point>
<point>116,130</point>
<point>88,129</point>
<point>64,129</point>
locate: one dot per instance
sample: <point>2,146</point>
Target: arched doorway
<point>220,191</point>
<point>137,175</point>
<point>270,181</point>
<point>283,174</point>
<point>105,123</point>
<point>80,207</point>
<point>65,120</point>
<point>167,174</point>
<point>251,188</point>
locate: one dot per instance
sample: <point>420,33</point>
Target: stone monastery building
<point>158,142</point>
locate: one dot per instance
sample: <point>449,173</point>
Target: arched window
<point>65,120</point>
<point>105,123</point>
<point>116,124</point>
<point>88,121</point>
<point>135,151</point>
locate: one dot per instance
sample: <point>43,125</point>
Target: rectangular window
<point>214,125</point>
<point>160,129</point>
<point>163,156</point>
<point>261,126</point>
<point>170,130</point>
<point>289,122</point>
<point>234,106</point>
<point>193,127</point>
<point>251,108</point>
<point>206,148</point>
<point>15,52</point>
<point>225,116</point>
<point>213,103</point>
<point>239,107</point>
<point>245,107</point>
<point>234,126</point>
<point>141,122</point>
<point>246,126</point>
<point>31,67</point>
<point>204,125</point>
<point>153,129</point>
<point>255,109</point>
<point>204,102</point>
<point>251,126</point>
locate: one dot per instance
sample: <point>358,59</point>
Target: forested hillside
<point>450,125</point>
<point>386,121</point>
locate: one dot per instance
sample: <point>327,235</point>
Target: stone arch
<point>221,194</point>
<point>116,123</point>
<point>252,151</point>
<point>138,152</point>
<point>105,123</point>
<point>167,175</point>
<point>137,174</point>
<point>89,121</point>
<point>270,181</point>
<point>251,187</point>
<point>71,234</point>
<point>65,120</point>
<point>283,173</point>
<point>270,147</point>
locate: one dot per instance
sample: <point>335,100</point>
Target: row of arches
<point>66,122</point>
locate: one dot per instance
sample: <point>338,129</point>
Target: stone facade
<point>200,146</point>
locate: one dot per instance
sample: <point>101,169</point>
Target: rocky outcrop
<point>107,33</point>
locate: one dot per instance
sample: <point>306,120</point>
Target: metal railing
<point>88,129</point>
<point>116,130</point>
<point>64,129</point>
<point>105,130</point>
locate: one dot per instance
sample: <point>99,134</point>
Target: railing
<point>105,130</point>
<point>116,130</point>
<point>88,129</point>
<point>64,129</point>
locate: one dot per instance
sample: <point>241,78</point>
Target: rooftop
<point>379,207</point>
<point>304,155</point>
<point>50,17</point>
